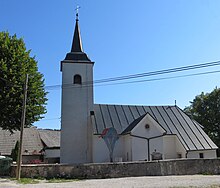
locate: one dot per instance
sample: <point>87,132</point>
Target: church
<point>97,133</point>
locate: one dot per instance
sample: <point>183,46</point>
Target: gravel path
<point>131,182</point>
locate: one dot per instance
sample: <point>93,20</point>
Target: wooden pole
<point>19,160</point>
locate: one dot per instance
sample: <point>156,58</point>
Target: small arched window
<point>77,79</point>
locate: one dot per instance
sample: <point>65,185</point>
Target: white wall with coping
<point>207,154</point>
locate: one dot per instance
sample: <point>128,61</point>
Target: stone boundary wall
<point>122,169</point>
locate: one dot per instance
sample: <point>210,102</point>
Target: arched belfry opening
<point>77,79</point>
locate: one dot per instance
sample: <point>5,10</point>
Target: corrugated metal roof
<point>171,118</point>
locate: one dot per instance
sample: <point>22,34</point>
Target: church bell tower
<point>77,102</point>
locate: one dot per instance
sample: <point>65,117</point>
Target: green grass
<point>28,181</point>
<point>38,180</point>
<point>60,180</point>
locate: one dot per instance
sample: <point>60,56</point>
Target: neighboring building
<point>145,132</point>
<point>51,142</point>
<point>37,144</point>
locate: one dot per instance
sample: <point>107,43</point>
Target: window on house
<point>201,155</point>
<point>77,79</point>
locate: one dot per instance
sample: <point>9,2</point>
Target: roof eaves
<point>132,125</point>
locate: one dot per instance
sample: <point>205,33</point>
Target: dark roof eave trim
<point>77,62</point>
<point>202,149</point>
<point>54,147</point>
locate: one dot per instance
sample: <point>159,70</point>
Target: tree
<point>205,109</point>
<point>15,63</point>
<point>14,151</point>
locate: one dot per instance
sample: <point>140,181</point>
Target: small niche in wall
<point>147,126</point>
<point>179,155</point>
<point>201,155</point>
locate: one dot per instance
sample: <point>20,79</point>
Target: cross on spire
<point>77,12</point>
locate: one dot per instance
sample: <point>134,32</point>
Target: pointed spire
<point>77,42</point>
<point>76,55</point>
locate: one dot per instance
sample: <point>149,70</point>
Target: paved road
<point>131,182</point>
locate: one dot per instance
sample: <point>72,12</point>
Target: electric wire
<point>149,80</point>
<point>120,79</point>
<point>164,71</point>
<point>139,81</point>
<point>135,76</point>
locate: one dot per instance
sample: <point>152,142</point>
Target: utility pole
<point>19,160</point>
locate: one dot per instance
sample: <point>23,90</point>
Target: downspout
<point>186,153</point>
<point>148,148</point>
<point>130,138</point>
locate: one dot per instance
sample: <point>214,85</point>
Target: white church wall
<point>118,154</point>
<point>207,154</point>
<point>153,130</point>
<point>156,144</point>
<point>140,145</point>
<point>77,102</point>
<point>127,148</point>
<point>210,154</point>
<point>169,147</point>
<point>180,150</point>
<point>101,152</point>
<point>139,149</point>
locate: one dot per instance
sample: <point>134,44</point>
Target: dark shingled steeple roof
<point>76,55</point>
<point>77,42</point>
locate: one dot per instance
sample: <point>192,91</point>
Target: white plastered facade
<point>81,143</point>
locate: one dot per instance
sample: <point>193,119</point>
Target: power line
<point>140,75</point>
<point>164,71</point>
<point>165,78</point>
<point>147,80</point>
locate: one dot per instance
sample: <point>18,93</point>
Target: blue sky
<point>122,37</point>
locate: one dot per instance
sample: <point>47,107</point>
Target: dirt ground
<point>130,182</point>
